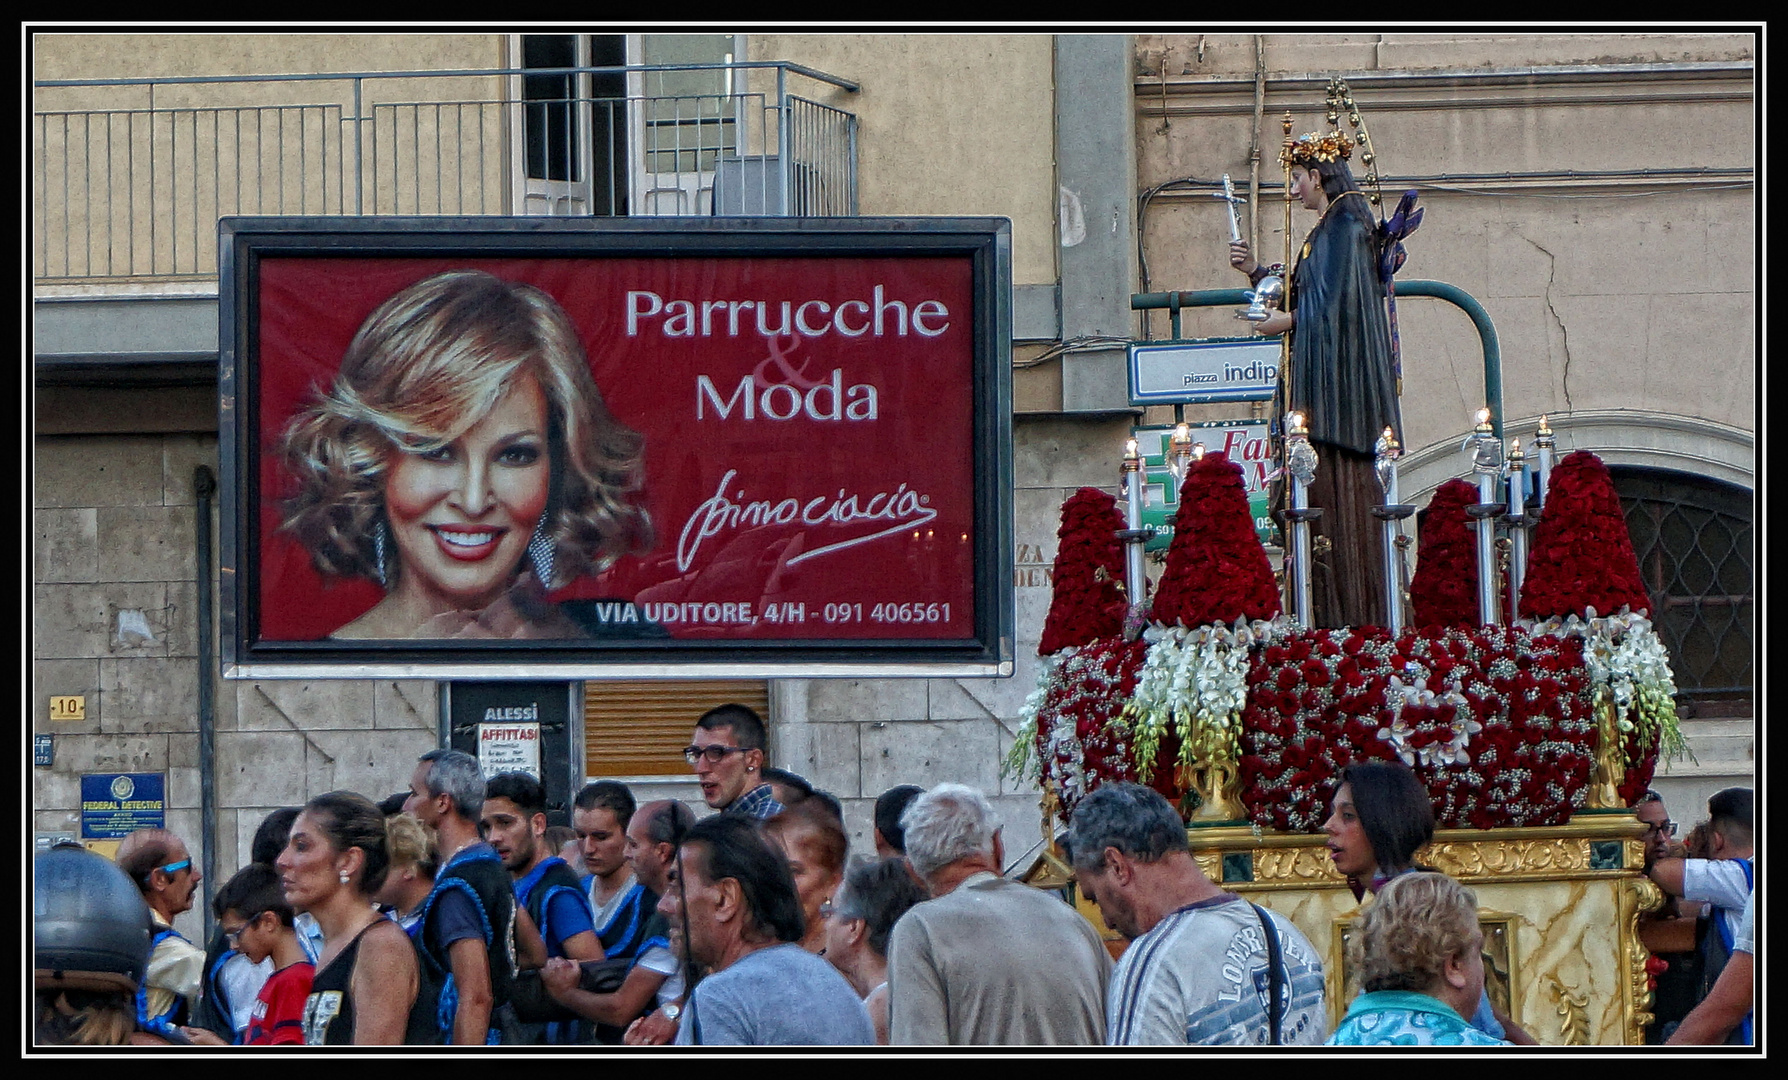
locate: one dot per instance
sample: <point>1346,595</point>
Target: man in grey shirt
<point>1203,964</point>
<point>731,902</point>
<point>990,961</point>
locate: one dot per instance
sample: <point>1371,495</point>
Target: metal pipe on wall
<point>204,485</point>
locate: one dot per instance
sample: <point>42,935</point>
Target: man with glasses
<point>256,921</point>
<point>1667,934</point>
<point>1724,880</point>
<point>728,755</point>
<point>165,873</point>
<point>1659,829</point>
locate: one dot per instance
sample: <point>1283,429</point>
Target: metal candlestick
<point>1517,521</point>
<point>1391,514</point>
<point>1542,441</point>
<point>1135,535</point>
<point>1301,462</point>
<point>1486,462</point>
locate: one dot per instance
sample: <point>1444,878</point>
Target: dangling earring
<point>379,567</point>
<point>541,550</point>
<point>344,877</point>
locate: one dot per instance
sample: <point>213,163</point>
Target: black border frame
<point>243,241</point>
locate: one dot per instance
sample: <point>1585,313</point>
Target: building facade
<point>1594,193</point>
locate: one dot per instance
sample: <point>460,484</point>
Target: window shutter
<point>640,727</point>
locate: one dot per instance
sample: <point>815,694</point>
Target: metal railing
<point>133,189</point>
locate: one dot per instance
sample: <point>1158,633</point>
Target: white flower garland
<point>1197,681</point>
<point>1021,759</point>
<point>1399,694</point>
<point>1627,660</point>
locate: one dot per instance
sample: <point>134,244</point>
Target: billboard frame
<point>244,241</point>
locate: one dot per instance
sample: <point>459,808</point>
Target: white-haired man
<point>987,961</point>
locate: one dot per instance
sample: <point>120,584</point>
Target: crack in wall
<point>1563,333</point>
<point>423,723</point>
<point>312,743</point>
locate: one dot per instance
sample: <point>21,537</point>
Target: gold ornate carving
<point>1211,864</point>
<point>1052,808</point>
<point>1504,858</point>
<point>1218,785</point>
<point>1637,896</point>
<point>1501,972</point>
<point>1573,1012</point>
<point>1610,769</point>
<point>1300,865</point>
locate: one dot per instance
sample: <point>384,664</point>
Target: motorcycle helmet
<point>91,929</point>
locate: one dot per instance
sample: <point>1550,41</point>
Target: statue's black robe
<point>1341,376</point>
<point>1341,381</point>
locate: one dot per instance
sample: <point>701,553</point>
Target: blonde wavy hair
<point>1416,924</point>
<point>412,844</point>
<point>427,365</point>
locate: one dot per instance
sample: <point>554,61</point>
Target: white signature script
<point>901,509</point>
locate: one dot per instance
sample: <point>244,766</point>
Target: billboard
<point>578,448</point>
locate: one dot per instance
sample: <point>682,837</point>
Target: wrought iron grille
<point>1696,554</point>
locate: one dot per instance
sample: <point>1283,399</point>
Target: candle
<point>1517,478</point>
<point>1179,453</point>
<point>1543,442</point>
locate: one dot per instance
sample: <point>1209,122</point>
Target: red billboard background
<point>809,459</point>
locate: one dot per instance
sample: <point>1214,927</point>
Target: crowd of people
<point>453,914</point>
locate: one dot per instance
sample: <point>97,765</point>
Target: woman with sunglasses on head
<point>1381,816</point>
<point>368,987</point>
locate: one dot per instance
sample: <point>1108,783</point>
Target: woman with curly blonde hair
<point>1419,955</point>
<point>464,460</point>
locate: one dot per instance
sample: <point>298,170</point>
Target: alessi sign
<point>576,448</point>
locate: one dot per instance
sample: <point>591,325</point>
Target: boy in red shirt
<point>256,919</point>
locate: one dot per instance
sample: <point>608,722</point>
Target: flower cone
<point>1582,555</point>
<point>1216,570</point>
<point>1444,591</point>
<point>1088,601</point>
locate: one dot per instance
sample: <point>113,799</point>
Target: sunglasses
<point>714,752</point>
<point>1664,828</point>
<point>233,937</point>
<point>171,869</point>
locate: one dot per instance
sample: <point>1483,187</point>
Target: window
<point>615,143</point>
<point>572,154</point>
<point>1694,543</point>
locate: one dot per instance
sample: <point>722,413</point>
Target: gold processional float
<point>1533,735</point>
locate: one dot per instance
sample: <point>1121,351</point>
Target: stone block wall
<point>114,522</point>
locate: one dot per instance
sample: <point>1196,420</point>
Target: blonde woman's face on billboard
<point>461,516</point>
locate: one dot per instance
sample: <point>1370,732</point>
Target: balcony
<point>129,176</point>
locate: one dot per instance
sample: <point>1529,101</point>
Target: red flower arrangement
<point>1216,570</point>
<point>1444,591</point>
<point>1641,755</point>
<point>1078,747</point>
<point>1089,601</point>
<point>1318,701</point>
<point>1582,555</point>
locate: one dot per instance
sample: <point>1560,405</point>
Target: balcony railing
<point>129,176</point>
